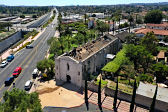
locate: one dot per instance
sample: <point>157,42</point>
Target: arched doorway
<point>68,78</point>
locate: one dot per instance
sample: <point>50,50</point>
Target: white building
<point>86,59</point>
<point>98,15</point>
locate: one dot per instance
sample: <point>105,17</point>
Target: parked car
<point>29,47</point>
<point>17,71</point>
<point>8,81</point>
<point>3,64</point>
<point>35,73</point>
<point>28,84</point>
<point>10,58</point>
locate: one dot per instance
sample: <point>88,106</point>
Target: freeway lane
<point>27,59</point>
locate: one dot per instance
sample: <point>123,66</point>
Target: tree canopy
<point>149,41</point>
<point>154,16</point>
<point>20,101</point>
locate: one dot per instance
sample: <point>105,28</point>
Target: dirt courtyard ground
<point>52,95</point>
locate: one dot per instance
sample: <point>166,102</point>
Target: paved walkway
<point>107,102</point>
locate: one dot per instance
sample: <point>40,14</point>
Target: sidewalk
<point>9,51</point>
<point>107,102</point>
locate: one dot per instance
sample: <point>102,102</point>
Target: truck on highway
<point>10,58</point>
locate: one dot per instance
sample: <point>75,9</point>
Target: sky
<point>73,2</point>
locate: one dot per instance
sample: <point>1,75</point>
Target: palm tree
<point>133,97</point>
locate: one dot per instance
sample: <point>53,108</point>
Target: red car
<point>17,71</point>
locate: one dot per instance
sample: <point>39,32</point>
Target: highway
<point>27,59</point>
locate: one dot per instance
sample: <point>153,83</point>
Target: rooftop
<point>90,48</point>
<point>161,54</point>
<point>148,90</point>
<point>158,25</point>
<point>155,31</point>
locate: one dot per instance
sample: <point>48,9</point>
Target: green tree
<point>160,71</point>
<point>149,41</point>
<point>20,101</point>
<point>133,97</point>
<point>165,39</point>
<point>34,16</point>
<point>102,27</point>
<point>130,19</point>
<point>152,107</point>
<point>46,65</point>
<point>115,97</point>
<point>22,16</point>
<point>154,16</point>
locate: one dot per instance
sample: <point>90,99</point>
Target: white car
<point>35,73</point>
<point>28,84</point>
<point>3,64</point>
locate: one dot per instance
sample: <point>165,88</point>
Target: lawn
<point>3,35</point>
<point>103,83</point>
<point>122,87</point>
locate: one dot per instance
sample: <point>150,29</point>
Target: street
<point>27,59</point>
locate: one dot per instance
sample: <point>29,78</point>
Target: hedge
<point>114,65</point>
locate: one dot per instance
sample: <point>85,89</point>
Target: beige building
<point>86,59</point>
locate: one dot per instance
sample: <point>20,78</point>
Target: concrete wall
<point>75,70</point>
<point>5,44</point>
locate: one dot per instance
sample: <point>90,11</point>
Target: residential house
<point>160,30</point>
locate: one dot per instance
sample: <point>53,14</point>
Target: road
<point>27,59</point>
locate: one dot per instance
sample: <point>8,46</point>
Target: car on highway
<point>17,71</point>
<point>3,64</point>
<point>28,84</point>
<point>29,47</point>
<point>35,73</point>
<point>10,58</point>
<point>9,80</point>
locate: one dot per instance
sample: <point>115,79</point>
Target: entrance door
<point>68,78</point>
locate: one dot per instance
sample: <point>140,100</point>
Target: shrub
<point>145,77</point>
<point>114,65</point>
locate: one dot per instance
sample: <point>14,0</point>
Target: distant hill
<point>160,3</point>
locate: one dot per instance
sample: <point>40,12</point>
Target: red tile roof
<point>156,31</point>
<point>158,25</point>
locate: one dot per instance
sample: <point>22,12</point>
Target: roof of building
<point>161,54</point>
<point>155,31</point>
<point>148,90</point>
<point>158,25</point>
<point>83,52</point>
<point>122,36</point>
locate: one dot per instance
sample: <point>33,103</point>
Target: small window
<point>79,73</point>
<point>57,67</point>
<point>67,66</point>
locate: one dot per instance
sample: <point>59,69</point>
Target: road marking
<point>47,33</point>
<point>2,87</point>
<point>24,62</point>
